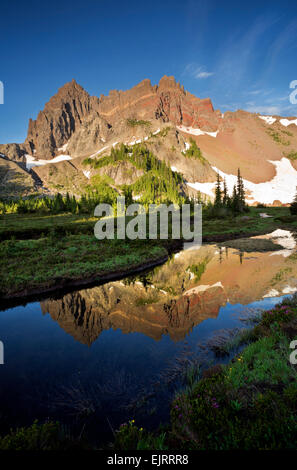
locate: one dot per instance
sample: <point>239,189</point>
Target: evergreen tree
<point>293,206</point>
<point>235,200</point>
<point>225,194</point>
<point>240,192</point>
<point>218,193</point>
<point>68,202</point>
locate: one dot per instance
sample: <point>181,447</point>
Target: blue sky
<point>240,54</point>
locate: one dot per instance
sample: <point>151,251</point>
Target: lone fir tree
<point>225,194</point>
<point>240,191</point>
<point>293,206</point>
<point>218,192</point>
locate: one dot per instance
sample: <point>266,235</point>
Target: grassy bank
<point>23,226</point>
<point>55,262</point>
<point>250,403</point>
<point>42,253</point>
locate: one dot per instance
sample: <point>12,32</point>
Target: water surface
<point>98,357</point>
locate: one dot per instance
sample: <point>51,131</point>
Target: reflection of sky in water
<point>48,373</point>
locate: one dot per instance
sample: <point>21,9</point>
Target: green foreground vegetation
<point>48,243</point>
<point>48,251</point>
<point>250,403</point>
<point>54,261</point>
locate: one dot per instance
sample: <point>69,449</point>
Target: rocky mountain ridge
<point>74,125</point>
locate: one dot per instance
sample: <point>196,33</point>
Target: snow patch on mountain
<point>206,188</point>
<point>281,188</point>
<point>187,145</point>
<point>87,173</point>
<point>63,148</point>
<point>31,161</point>
<point>194,131</point>
<point>268,119</point>
<point>287,122</point>
<point>99,151</point>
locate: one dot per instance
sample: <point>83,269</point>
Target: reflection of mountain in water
<point>86,314</point>
<point>175,297</point>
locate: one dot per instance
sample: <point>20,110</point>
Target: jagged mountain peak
<point>59,119</point>
<point>74,124</point>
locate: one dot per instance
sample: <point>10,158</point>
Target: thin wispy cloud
<point>263,109</point>
<point>254,92</point>
<point>275,104</point>
<point>203,73</point>
<point>285,39</point>
<point>196,71</point>
<point>277,109</point>
<point>236,56</point>
<point>244,69</point>
<point>242,66</point>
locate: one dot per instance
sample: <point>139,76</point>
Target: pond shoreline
<point>68,285</point>
<point>65,285</point>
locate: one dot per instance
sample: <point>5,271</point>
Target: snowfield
<point>87,174</point>
<point>63,148</point>
<point>281,188</point>
<point>206,188</point>
<point>99,151</point>
<point>187,145</point>
<point>193,131</point>
<point>31,162</point>
<point>284,122</point>
<point>268,119</point>
<point>287,122</point>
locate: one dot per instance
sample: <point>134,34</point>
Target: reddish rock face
<point>90,124</point>
<point>168,102</point>
<point>72,107</point>
<point>61,117</point>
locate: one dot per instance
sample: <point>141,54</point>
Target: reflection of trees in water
<point>174,277</point>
